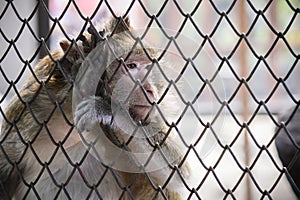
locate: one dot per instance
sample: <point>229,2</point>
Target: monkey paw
<point>90,113</point>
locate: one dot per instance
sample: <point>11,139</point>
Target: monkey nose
<point>150,91</point>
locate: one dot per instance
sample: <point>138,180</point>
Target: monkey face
<point>141,103</point>
<point>135,89</point>
<point>139,107</point>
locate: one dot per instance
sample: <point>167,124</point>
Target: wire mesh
<point>256,92</point>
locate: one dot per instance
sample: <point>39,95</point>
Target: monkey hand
<point>92,111</point>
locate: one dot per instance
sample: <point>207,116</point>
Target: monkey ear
<point>120,25</point>
<point>64,45</point>
<point>71,49</point>
<point>127,22</point>
<point>69,60</point>
<point>69,46</point>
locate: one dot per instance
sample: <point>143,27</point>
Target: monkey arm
<point>91,112</point>
<point>149,146</point>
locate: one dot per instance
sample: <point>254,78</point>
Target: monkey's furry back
<point>46,94</point>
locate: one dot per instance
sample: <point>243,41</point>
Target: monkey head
<point>124,70</point>
<point>135,87</point>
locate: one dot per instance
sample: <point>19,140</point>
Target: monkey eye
<point>131,65</point>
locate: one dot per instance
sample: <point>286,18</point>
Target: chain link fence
<point>239,62</point>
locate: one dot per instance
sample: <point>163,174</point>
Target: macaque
<point>48,130</point>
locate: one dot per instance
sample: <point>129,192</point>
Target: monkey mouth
<point>141,113</point>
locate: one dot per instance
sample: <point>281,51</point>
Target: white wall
<point>10,25</point>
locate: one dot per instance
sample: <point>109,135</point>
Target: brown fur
<point>45,103</point>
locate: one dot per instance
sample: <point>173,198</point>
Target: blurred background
<point>203,38</point>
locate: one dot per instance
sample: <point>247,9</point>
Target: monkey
<point>286,144</point>
<point>43,151</point>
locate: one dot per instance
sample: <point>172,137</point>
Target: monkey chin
<point>141,114</point>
